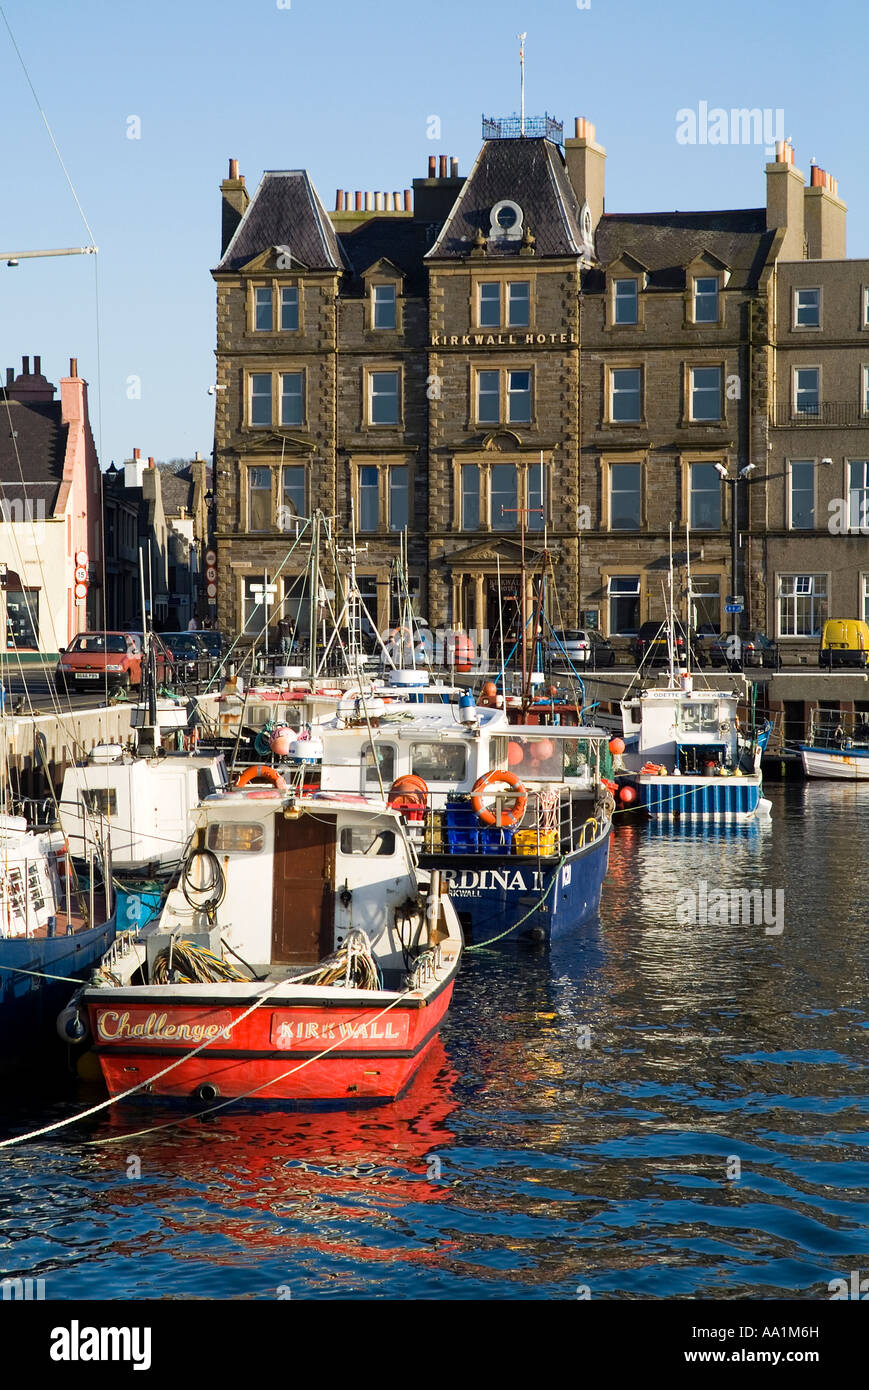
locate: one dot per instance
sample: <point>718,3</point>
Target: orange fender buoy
<point>511,815</point>
<point>408,792</point>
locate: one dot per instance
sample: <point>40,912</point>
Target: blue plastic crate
<point>495,841</point>
<point>463,841</point>
<point>462,817</point>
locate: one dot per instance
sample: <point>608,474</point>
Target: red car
<point>94,658</point>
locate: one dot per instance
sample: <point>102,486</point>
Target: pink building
<point>50,510</point>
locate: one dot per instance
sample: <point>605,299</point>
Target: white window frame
<point>695,525</point>
<point>806,414</point>
<point>706,367</point>
<point>611,467</point>
<point>806,289</point>
<point>292,424</point>
<point>370,374</point>
<point>809,592</point>
<point>634,300</point>
<point>611,394</point>
<point>375,290</point>
<point>790,495</point>
<point>624,593</point>
<point>696,295</point>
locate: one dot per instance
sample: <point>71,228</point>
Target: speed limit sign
<point>81,574</point>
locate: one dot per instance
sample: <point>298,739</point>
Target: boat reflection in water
<point>324,1182</point>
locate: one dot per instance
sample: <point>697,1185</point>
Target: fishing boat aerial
<point>301,958</point>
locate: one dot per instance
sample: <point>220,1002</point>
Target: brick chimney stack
<point>586,168</point>
<point>825,217</point>
<point>235,199</point>
<point>784,202</point>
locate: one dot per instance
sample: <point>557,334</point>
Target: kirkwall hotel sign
<point>501,339</point>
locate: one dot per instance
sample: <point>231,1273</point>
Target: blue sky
<point>346,90</point>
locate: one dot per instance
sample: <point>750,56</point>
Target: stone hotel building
<point>493,352</point>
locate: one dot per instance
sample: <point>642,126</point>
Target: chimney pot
<point>347,199</point>
<point>432,167</point>
<point>10,375</point>
<point>408,200</point>
<point>25,368</point>
<point>339,200</point>
<point>454,168</point>
<point>387,202</point>
<point>137,453</point>
<point>233,168</point>
<point>37,366</point>
<point>358,201</point>
<point>369,201</point>
<point>73,366</point>
<point>378,202</point>
<point>442,172</point>
<point>150,462</point>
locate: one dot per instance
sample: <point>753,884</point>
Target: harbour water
<point>659,1108</point>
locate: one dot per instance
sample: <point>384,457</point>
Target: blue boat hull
<point>30,1003</point>
<point>703,798</point>
<point>523,897</point>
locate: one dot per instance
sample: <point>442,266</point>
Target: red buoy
<point>515,755</point>
<point>627,795</point>
<point>616,746</point>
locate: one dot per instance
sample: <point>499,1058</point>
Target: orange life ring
<point>511,815</point>
<point>260,772</point>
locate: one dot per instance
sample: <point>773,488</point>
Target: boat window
<point>438,762</point>
<point>697,717</point>
<point>538,759</point>
<point>235,837</point>
<point>386,759</point>
<point>577,752</point>
<point>361,839</point>
<point>205,783</point>
<point>99,801</point>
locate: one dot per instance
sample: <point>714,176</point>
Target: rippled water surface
<point>581,1122</point>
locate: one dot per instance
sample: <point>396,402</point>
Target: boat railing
<point>555,821</point>
<point>835,729</point>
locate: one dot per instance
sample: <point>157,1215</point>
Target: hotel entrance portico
<point>486,584</point>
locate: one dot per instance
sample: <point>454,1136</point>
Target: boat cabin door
<point>303,894</point>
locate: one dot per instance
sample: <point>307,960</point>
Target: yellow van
<point>844,642</point>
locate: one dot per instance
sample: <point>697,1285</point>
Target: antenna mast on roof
<point>521,38</point>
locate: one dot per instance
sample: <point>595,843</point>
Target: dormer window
<point>505,221</point>
<point>274,308</point>
<point>625,301</point>
<point>706,299</point>
<point>383,283</point>
<point>383,306</point>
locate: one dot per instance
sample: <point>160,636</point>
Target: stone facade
<point>497,355</point>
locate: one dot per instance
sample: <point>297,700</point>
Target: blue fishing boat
<point>516,818</point>
<point>50,938</point>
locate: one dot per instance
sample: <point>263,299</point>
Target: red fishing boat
<point>301,957</point>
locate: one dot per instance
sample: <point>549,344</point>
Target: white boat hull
<point>835,765</point>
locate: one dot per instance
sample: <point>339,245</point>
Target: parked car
<point>94,658</point>
<point>753,649</point>
<point>650,648</point>
<point>844,642</point>
<point>191,660</point>
<point>579,647</point>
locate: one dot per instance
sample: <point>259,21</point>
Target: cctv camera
<point>12,262</point>
<point>749,468</point>
<point>720,468</point>
<point>827,461</point>
<point>212,389</point>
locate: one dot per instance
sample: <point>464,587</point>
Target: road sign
<point>211,590</point>
<point>81,574</point>
<point>81,590</point>
<point>210,557</point>
<point>210,574</point>
<point>735,598</point>
<point>81,557</point>
<point>733,607</point>
<point>263,589</point>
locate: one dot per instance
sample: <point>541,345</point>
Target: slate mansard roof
<point>532,173</point>
<point>285,211</point>
<point>665,242</point>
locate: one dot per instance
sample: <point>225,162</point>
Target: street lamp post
<point>737,600</point>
